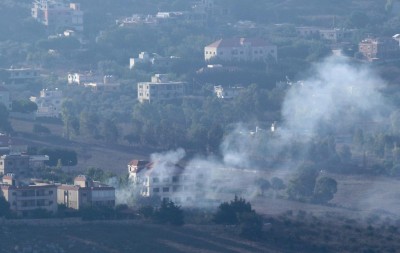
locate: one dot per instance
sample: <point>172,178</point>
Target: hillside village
<point>108,109</point>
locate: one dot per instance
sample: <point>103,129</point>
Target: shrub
<point>169,213</point>
<point>228,212</point>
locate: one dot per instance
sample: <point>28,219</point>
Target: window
<point>175,179</point>
<point>165,189</point>
<point>156,180</point>
<point>155,190</point>
<point>50,192</point>
<point>165,180</point>
<point>40,202</point>
<point>177,188</point>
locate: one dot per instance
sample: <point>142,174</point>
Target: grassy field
<point>128,237</point>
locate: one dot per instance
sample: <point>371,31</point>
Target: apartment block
<point>160,88</point>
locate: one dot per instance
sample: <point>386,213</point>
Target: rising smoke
<point>337,97</point>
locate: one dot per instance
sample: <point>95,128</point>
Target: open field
<point>124,236</point>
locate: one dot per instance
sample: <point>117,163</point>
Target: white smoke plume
<point>337,95</point>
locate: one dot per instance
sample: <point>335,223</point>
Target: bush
<point>169,213</point>
<point>228,212</point>
<point>250,225</point>
<point>39,129</point>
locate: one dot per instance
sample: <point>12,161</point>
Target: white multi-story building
<point>165,180</point>
<point>240,50</point>
<point>49,103</point>
<point>25,197</point>
<point>56,14</point>
<point>5,97</point>
<point>160,88</point>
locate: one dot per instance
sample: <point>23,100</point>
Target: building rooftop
<point>238,42</point>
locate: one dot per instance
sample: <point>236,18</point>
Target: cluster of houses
<point>25,195</point>
<point>200,13</point>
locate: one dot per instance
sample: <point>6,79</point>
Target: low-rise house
<point>25,197</point>
<point>109,84</point>
<point>165,180</point>
<point>19,75</point>
<point>56,14</point>
<point>136,19</point>
<point>5,97</point>
<point>81,78</point>
<point>85,193</point>
<point>17,164</point>
<point>11,146</point>
<point>240,50</point>
<point>227,92</point>
<point>154,60</point>
<point>49,103</point>
<point>160,88</point>
<point>379,48</point>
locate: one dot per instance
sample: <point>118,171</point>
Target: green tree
<point>4,207</point>
<point>228,212</point>
<point>301,187</point>
<point>263,184</point>
<point>110,131</point>
<point>24,106</point>
<point>40,129</point>
<point>169,213</point>
<point>325,189</point>
<point>5,124</point>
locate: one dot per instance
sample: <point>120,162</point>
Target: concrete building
<point>308,31</point>
<point>335,35</point>
<point>25,197</point>
<point>5,97</point>
<point>17,164</point>
<point>160,88</point>
<point>82,78</point>
<point>109,84</point>
<point>56,14</point>
<point>379,48</point>
<point>85,192</point>
<point>165,180</point>
<point>152,60</point>
<point>240,50</point>
<point>227,92</point>
<point>19,75</point>
<point>49,103</point>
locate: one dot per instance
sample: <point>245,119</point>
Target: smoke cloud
<point>337,97</point>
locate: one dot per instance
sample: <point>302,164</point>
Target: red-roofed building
<point>240,49</point>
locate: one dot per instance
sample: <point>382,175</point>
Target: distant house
<point>85,193</point>
<point>81,78</point>
<point>160,88</point>
<point>154,60</point>
<point>227,92</point>
<point>165,180</point>
<point>49,103</point>
<point>5,97</point>
<point>19,75</point>
<point>25,197</point>
<point>240,50</point>
<point>56,14</point>
<point>109,84</point>
<point>333,35</point>
<point>17,164</point>
<point>379,48</point>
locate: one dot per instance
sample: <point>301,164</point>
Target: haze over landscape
<point>199,126</point>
